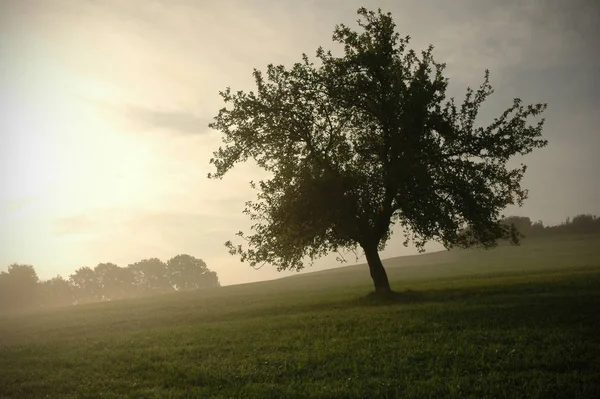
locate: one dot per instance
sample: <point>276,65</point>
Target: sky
<point>104,107</point>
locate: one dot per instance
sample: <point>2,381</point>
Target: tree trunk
<point>378,274</point>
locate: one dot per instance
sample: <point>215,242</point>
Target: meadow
<point>510,322</point>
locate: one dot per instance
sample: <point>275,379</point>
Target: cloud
<point>180,223</point>
<point>172,120</point>
<point>74,225</point>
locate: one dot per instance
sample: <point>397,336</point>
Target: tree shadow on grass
<point>394,297</point>
<point>560,287</point>
<point>434,295</point>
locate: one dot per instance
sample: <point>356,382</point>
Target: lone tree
<point>359,143</point>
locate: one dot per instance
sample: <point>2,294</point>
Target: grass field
<point>513,322</point>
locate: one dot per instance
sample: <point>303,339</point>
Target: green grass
<point>512,322</point>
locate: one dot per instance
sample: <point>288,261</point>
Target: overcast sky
<point>104,107</point>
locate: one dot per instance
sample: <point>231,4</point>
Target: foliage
<point>20,288</point>
<point>188,273</point>
<point>359,143</point>
<point>114,282</point>
<point>151,276</point>
<point>56,292</point>
<point>579,224</point>
<point>86,285</point>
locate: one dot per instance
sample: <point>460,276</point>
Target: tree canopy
<point>357,143</point>
<point>21,289</point>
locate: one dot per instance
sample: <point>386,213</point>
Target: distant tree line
<point>580,224</point>
<point>21,289</point>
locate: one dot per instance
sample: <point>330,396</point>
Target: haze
<point>105,104</point>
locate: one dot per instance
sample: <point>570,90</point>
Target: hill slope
<point>511,322</point>
<point>545,253</point>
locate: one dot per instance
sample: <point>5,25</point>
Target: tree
<point>151,276</point>
<point>188,273</point>
<point>584,223</point>
<point>114,282</point>
<point>521,223</point>
<point>365,141</point>
<point>538,228</point>
<point>85,285</point>
<point>56,292</point>
<point>19,288</point>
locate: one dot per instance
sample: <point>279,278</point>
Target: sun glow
<point>65,154</point>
